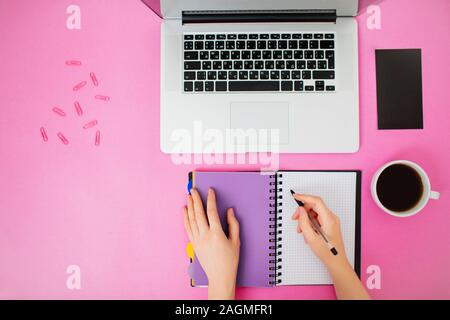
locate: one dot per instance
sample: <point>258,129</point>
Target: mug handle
<point>434,195</point>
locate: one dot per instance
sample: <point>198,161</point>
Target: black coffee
<point>399,188</point>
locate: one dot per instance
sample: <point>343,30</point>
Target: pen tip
<point>292,191</point>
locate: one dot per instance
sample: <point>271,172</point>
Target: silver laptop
<point>258,75</point>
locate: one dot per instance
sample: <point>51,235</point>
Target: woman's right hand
<point>330,225</point>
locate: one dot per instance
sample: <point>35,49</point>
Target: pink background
<point>115,210</point>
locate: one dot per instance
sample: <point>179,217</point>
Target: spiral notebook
<point>272,252</point>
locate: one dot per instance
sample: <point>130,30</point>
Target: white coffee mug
<point>426,195</point>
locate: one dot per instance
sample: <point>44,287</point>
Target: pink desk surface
<point>115,209</point>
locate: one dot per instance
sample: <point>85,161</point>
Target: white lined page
<point>338,189</point>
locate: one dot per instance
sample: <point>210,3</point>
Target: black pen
<point>316,227</point>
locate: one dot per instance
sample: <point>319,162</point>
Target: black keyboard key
<point>331,63</point>
<point>271,44</point>
<point>220,45</point>
<point>240,45</point>
<point>277,54</point>
<point>214,55</point>
<point>256,55</point>
<point>274,74</point>
<point>264,36</point>
<point>323,74</point>
<point>287,55</point>
<point>217,65</point>
<point>298,54</point>
<point>309,54</point>
<point>269,65</point>
<point>303,44</point>
<point>237,65</point>
<point>199,37</point>
<point>259,64</point>
<point>198,45</point>
<point>330,88</point>
<point>206,65</point>
<point>191,65</point>
<point>235,55</point>
<point>329,54</point>
<point>248,65</point>
<point>285,75</point>
<point>319,54</point>
<point>254,75</point>
<point>251,44</point>
<point>327,44</point>
<point>227,65</point>
<point>254,85</point>
<point>286,85</point>
<point>212,75</point>
<point>243,75</point>
<point>309,88</point>
<point>201,75</point>
<point>320,85</point>
<point>230,45</point>
<point>275,36</point>
<point>306,75</point>
<point>222,75</point>
<point>231,36</point>
<point>204,55</point>
<point>261,44</point>
<point>314,44</point>
<point>242,36</point>
<point>190,55</point>
<point>224,55</point>
<point>232,75</point>
<point>209,45</point>
<point>267,54</point>
<point>221,86</point>
<point>311,64</point>
<point>280,64</point>
<point>301,64</point>
<point>245,55</point>
<point>298,85</point>
<point>329,36</point>
<point>293,44</point>
<point>188,86</point>
<point>296,36</point>
<point>307,36</point>
<point>282,44</point>
<point>321,64</point>
<point>318,36</point>
<point>188,37</point>
<point>290,64</point>
<point>264,75</point>
<point>210,36</point>
<point>198,86</point>
<point>285,36</point>
<point>209,86</point>
<point>188,45</point>
<point>253,36</point>
<point>221,37</point>
<point>189,75</point>
<point>296,75</point>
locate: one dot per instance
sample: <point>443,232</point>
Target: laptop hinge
<point>243,16</point>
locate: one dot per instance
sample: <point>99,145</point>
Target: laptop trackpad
<point>261,118</point>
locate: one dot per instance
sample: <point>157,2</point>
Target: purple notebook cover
<point>248,193</point>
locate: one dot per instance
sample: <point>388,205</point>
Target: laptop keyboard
<point>243,62</point>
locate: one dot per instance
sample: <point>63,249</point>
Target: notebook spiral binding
<point>275,233</point>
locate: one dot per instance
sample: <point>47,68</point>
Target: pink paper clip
<point>100,97</point>
<point>79,85</point>
<point>94,79</point>
<point>90,124</point>
<point>78,108</point>
<point>97,138</point>
<point>62,138</point>
<point>59,111</point>
<point>73,63</point>
<point>44,134</point>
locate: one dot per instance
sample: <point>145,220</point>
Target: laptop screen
<point>172,9</point>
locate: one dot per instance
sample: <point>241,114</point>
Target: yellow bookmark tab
<point>190,251</point>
